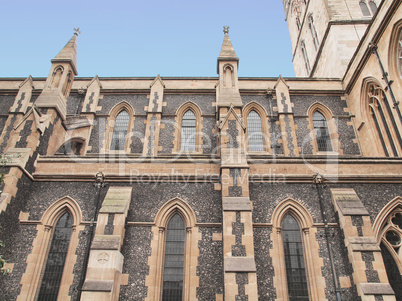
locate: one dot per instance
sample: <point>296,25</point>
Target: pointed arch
<point>377,111</point>
<point>112,123</point>
<point>309,245</point>
<point>195,133</point>
<point>154,280</point>
<point>263,115</point>
<point>329,137</point>
<point>56,77</point>
<point>395,51</point>
<point>173,206</point>
<point>36,261</point>
<point>388,232</point>
<point>74,146</point>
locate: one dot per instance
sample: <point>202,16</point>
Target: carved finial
<point>226,29</point>
<point>77,31</point>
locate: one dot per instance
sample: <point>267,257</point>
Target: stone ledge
<point>348,202</point>
<point>376,289</point>
<point>98,285</point>
<point>106,242</point>
<point>236,204</point>
<point>239,264</point>
<point>117,200</point>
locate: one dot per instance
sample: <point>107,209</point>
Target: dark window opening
<point>294,260</point>
<point>321,132</point>
<point>364,8</point>
<point>51,280</point>
<point>174,260</point>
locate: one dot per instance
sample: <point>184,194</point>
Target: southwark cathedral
<point>215,188</point>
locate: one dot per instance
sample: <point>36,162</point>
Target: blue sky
<point>145,38</point>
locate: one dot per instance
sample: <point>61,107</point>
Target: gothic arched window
<point>383,119</point>
<point>173,271</point>
<point>120,131</point>
<point>391,249</point>
<point>254,129</point>
<point>364,8</point>
<point>294,260</point>
<point>188,131</point>
<point>399,53</point>
<point>321,132</point>
<point>313,32</point>
<point>51,280</point>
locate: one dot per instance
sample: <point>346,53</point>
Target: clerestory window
<point>254,129</point>
<point>120,131</point>
<point>321,132</point>
<point>188,131</point>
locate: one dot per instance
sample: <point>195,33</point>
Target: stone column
<point>104,271</point>
<point>369,273</point>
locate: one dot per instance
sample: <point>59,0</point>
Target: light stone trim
<point>154,280</point>
<point>311,249</point>
<point>36,261</point>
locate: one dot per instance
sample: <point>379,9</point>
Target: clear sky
<point>145,38</point>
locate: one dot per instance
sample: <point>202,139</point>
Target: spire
<point>69,53</point>
<point>227,51</point>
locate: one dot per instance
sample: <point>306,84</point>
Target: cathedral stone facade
<point>218,188</point>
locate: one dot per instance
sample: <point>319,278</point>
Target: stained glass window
<point>321,132</point>
<point>174,260</point>
<point>120,131</point>
<point>51,280</point>
<point>294,260</point>
<point>254,128</point>
<point>188,131</point>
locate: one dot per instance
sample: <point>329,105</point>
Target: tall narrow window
<point>188,131</point>
<point>298,23</point>
<point>51,280</point>
<point>321,132</point>
<point>254,128</point>
<point>120,131</point>
<point>381,114</point>
<point>174,260</point>
<point>399,53</point>
<point>391,248</point>
<point>313,32</point>
<point>373,7</point>
<point>364,8</point>
<point>305,57</point>
<point>294,260</point>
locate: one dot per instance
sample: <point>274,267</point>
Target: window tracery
<point>381,114</point>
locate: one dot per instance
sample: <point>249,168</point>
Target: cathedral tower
<point>325,33</point>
